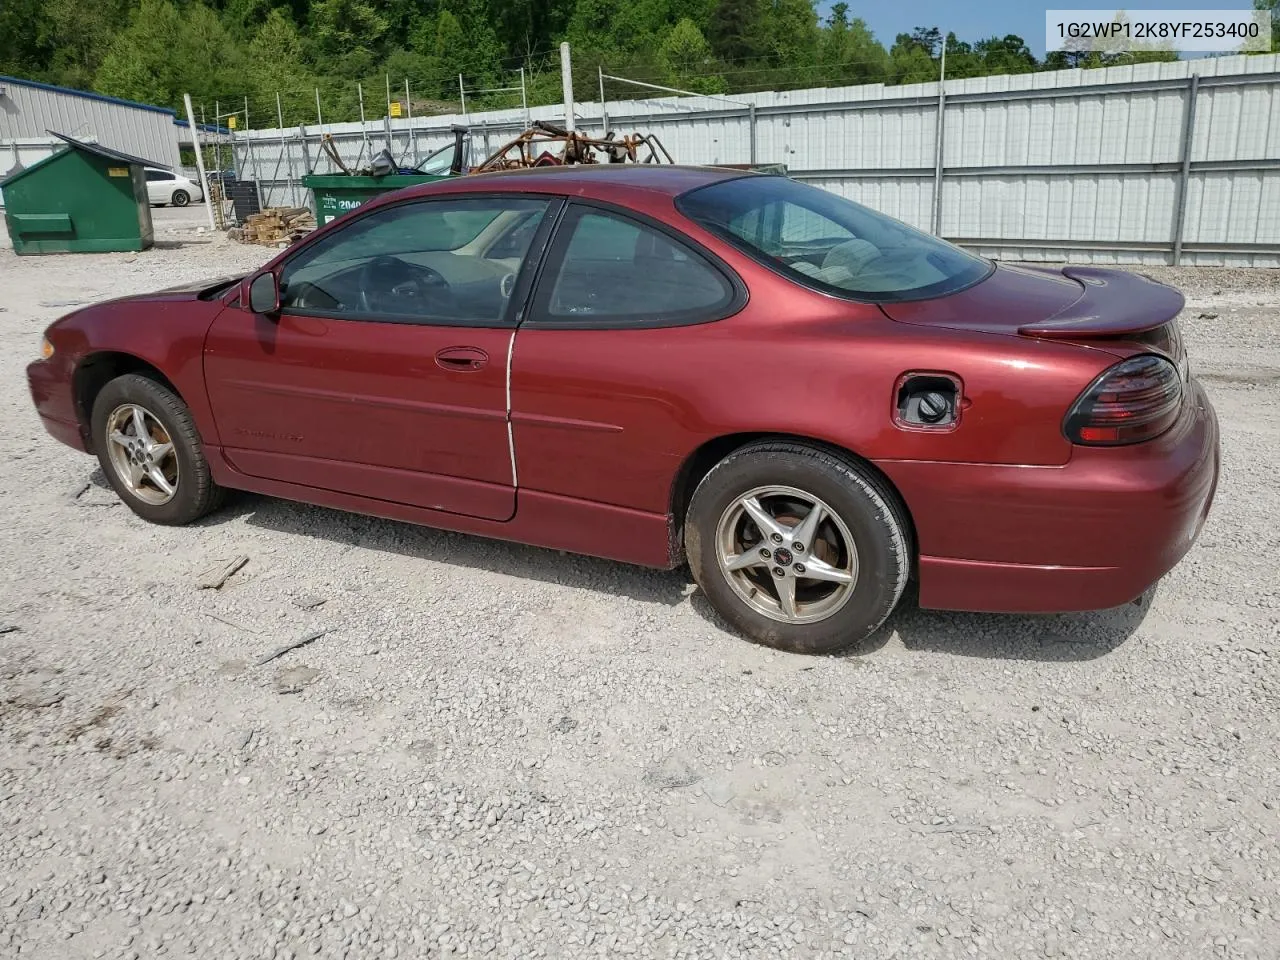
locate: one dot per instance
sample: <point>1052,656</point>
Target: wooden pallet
<point>277,225</point>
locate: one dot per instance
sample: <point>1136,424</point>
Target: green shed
<point>85,198</point>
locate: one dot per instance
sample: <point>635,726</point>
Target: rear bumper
<point>1091,534</point>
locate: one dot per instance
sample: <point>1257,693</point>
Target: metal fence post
<point>284,148</point>
<point>1184,177</point>
<point>250,158</point>
<point>938,138</point>
<point>604,107</point>
<point>306,154</point>
<point>413,136</point>
<point>751,131</point>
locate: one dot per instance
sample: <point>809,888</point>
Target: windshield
<point>829,243</point>
<point>437,163</point>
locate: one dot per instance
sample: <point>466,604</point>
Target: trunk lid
<point>1060,303</point>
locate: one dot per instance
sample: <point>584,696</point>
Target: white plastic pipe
<point>195,142</point>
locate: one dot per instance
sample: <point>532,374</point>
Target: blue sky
<point>983,18</point>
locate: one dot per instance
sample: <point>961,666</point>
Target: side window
<point>418,262</point>
<point>154,175</point>
<point>607,268</point>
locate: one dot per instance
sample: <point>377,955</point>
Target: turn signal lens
<point>46,348</point>
<point>1135,400</point>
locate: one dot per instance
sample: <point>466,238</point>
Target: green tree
<point>243,17</point>
<point>848,51</point>
<point>79,32</point>
<point>24,39</point>
<point>911,58</point>
<point>928,39</point>
<point>530,29</point>
<point>276,64</point>
<point>163,53</point>
<point>736,29</point>
<point>686,55</point>
<point>450,50</point>
<point>345,35</point>
<point>1007,54</point>
<point>154,50</point>
<point>791,35</point>
<point>962,61</point>
<point>1274,7</point>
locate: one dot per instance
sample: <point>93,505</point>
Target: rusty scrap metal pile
<point>545,144</point>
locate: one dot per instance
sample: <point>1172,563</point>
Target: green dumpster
<point>336,194</point>
<point>85,198</point>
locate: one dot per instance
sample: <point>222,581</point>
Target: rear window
<point>829,243</point>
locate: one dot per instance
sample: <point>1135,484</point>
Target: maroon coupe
<point>807,400</point>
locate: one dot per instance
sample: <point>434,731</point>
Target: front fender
<point>167,335</point>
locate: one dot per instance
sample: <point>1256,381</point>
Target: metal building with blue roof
<point>28,109</point>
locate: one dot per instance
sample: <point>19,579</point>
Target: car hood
<point>1067,303</point>
<point>195,290</point>
<point>192,290</point>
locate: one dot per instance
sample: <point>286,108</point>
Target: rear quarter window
<point>831,244</point>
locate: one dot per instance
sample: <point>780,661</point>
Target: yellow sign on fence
<point>395,108</point>
<point>231,122</point>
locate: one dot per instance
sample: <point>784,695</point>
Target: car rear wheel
<point>150,451</point>
<point>798,548</point>
<point>181,198</point>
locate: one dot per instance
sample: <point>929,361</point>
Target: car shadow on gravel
<point>1053,638</point>
<point>461,550</point>
<point>1047,638</point>
<point>1061,638</point>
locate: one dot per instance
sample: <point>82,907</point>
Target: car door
<point>384,373</point>
<point>159,186</point>
<point>606,395</point>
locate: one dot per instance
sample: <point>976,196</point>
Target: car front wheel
<point>181,198</point>
<point>798,548</point>
<point>150,451</point>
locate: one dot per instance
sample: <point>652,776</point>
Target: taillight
<point>1133,401</point>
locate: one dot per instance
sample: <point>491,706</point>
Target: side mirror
<point>264,294</point>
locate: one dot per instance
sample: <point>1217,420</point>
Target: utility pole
<point>566,79</point>
<point>195,142</point>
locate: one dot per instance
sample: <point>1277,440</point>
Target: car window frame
<point>517,303</point>
<point>539,315</point>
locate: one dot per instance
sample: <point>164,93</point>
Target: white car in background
<point>164,186</point>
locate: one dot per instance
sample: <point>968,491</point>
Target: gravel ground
<point>510,752</point>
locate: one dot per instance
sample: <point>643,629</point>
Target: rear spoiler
<point>1115,303</point>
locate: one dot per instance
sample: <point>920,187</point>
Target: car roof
<point>589,179</point>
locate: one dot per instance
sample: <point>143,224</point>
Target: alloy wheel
<point>787,554</point>
<point>142,454</point>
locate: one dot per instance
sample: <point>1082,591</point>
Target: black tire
<point>196,494</point>
<point>872,512</point>
<point>181,198</point>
